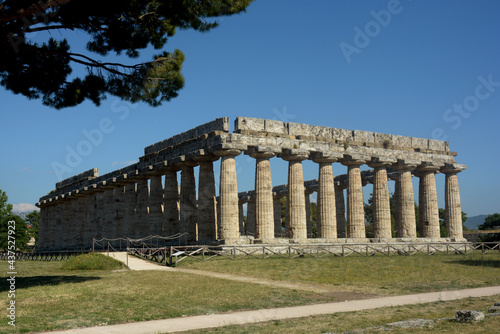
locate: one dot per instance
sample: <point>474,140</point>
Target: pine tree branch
<point>49,28</point>
<point>31,10</point>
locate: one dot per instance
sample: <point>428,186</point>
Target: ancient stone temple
<point>146,198</point>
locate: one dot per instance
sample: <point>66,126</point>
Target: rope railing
<point>163,254</point>
<point>166,255</point>
<point>121,244</point>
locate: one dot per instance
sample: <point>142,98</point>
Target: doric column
<point>79,220</point>
<point>355,205</point>
<point>326,220</point>
<point>264,210</point>
<point>170,202</point>
<point>207,207</point>
<point>119,209</point>
<point>68,225</point>
<point>250,225</point>
<point>189,215</point>
<point>381,199</point>
<point>142,210</point>
<point>228,194</point>
<point>297,228</point>
<point>87,204</point>
<point>277,215</point>
<point>155,205</point>
<point>428,203</point>
<point>108,212</point>
<point>405,201</point>
<point>98,213</point>
<point>240,217</point>
<point>130,219</point>
<point>453,207</point>
<point>307,198</point>
<point>59,228</point>
<point>340,209</point>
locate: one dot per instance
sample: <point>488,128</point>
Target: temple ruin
<point>146,199</point>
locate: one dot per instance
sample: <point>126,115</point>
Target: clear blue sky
<point>299,61</point>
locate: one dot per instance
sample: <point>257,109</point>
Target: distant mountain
<point>21,214</point>
<point>473,222</point>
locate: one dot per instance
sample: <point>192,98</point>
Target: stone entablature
<point>397,156</point>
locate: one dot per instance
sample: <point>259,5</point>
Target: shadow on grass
<point>478,263</point>
<point>27,282</point>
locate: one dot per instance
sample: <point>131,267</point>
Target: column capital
<point>294,155</point>
<point>429,167</point>
<point>227,153</point>
<point>341,184</point>
<point>326,157</point>
<point>183,161</point>
<point>452,168</point>
<point>263,151</point>
<point>406,164</point>
<point>205,158</point>
<point>354,159</point>
<point>381,162</point>
<point>308,190</point>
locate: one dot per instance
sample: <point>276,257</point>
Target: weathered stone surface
<point>142,210</point>
<point>220,124</point>
<point>419,143</point>
<point>363,136</point>
<point>207,225</point>
<point>250,225</point>
<point>297,228</point>
<point>264,210</point>
<point>188,209</point>
<point>156,214</point>
<point>249,123</point>
<point>277,127</point>
<point>87,175</point>
<point>453,208</point>
<point>494,309</point>
<point>340,211</point>
<point>228,196</point>
<point>428,206</point>
<point>381,205</point>
<point>326,211</point>
<point>412,323</point>
<point>469,316</point>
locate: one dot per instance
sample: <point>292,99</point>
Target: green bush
<point>92,261</point>
<point>490,237</point>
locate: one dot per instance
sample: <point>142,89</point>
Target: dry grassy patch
<point>49,298</point>
<point>377,275</point>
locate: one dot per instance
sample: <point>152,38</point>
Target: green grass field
<point>380,274</point>
<point>49,297</point>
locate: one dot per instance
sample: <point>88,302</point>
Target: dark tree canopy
<point>33,218</point>
<point>43,70</point>
<point>490,222</point>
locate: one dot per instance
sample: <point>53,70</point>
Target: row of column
<point>330,196</point>
<point>132,208</point>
